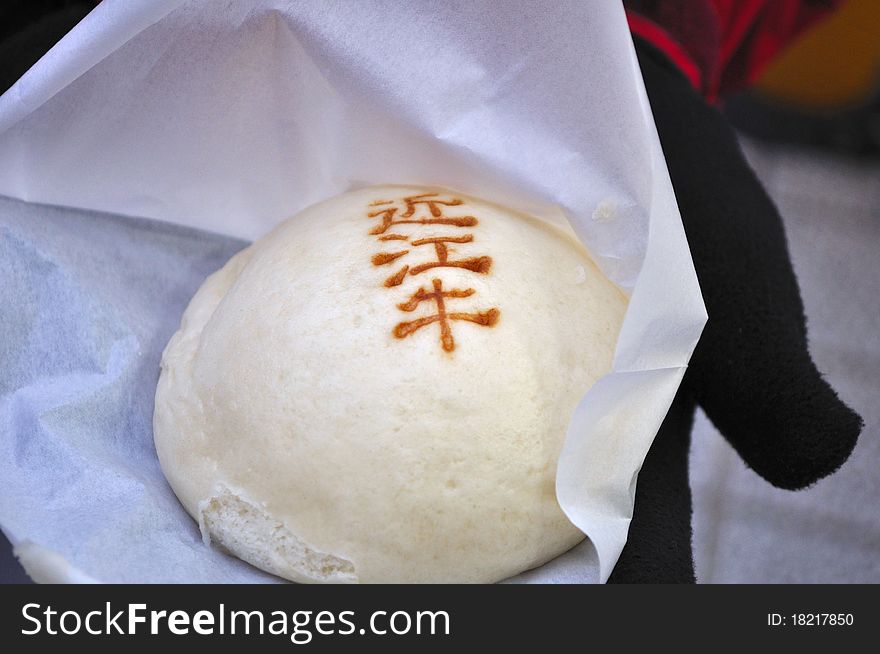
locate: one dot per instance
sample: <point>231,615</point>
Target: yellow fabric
<point>835,65</point>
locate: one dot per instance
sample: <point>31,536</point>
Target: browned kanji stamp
<point>438,297</point>
<point>391,213</point>
<point>474,264</point>
<point>406,217</point>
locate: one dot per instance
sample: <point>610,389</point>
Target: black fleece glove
<point>751,371</point>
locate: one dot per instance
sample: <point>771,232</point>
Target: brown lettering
<point>389,216</point>
<point>438,296</point>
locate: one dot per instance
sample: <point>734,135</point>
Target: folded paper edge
<point>46,566</point>
<point>631,363</point>
<point>30,91</point>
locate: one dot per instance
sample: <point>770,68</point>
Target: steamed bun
<point>379,389</point>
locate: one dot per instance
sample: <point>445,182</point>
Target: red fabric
<point>723,45</point>
<point>663,41</point>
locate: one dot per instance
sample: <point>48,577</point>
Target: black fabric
<point>751,372</point>
<point>659,549</point>
<point>28,28</point>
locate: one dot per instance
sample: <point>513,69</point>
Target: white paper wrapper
<point>232,116</point>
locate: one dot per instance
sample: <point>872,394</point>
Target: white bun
<point>312,436</point>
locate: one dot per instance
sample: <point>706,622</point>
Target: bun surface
<point>379,389</point>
